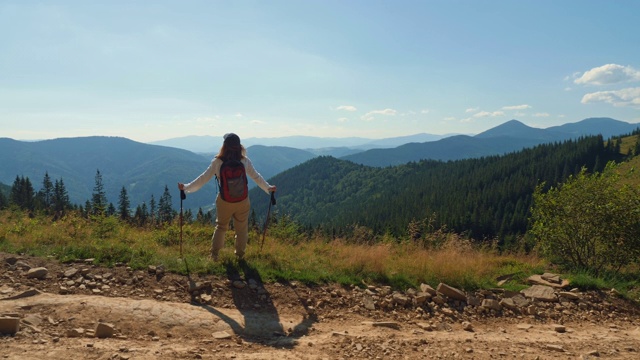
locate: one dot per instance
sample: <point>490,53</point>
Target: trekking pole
<point>192,285</point>
<point>266,222</point>
<point>182,197</point>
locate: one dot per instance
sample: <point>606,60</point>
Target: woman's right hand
<point>180,186</point>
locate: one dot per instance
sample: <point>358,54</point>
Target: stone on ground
<point>451,292</point>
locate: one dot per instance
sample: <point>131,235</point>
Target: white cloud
<point>371,114</point>
<point>541,114</point>
<point>609,74</point>
<point>470,110</point>
<point>256,122</point>
<point>517,107</point>
<point>488,114</point>
<point>346,108</point>
<point>619,98</point>
<point>573,76</point>
<point>342,120</point>
<point>424,111</point>
<point>238,115</point>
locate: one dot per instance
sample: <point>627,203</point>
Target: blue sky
<point>152,70</point>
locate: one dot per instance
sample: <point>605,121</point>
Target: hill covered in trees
<point>485,197</point>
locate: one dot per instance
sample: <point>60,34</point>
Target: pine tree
<point>141,214</point>
<point>200,216</point>
<point>45,195</point>
<point>188,216</point>
<point>145,213</point>
<point>99,197</point>
<point>22,193</point>
<point>165,210</point>
<point>15,194</point>
<point>152,209</point>
<point>111,210</point>
<point>123,205</point>
<point>60,200</point>
<point>87,209</point>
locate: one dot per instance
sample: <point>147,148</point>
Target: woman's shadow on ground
<point>262,322</point>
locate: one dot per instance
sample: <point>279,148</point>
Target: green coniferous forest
<point>485,198</point>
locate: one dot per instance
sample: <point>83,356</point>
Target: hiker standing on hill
<point>230,167</point>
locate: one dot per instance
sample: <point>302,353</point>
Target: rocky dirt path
<point>82,311</point>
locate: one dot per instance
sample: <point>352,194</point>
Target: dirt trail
<point>157,320</point>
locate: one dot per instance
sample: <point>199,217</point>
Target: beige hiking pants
<point>225,211</point>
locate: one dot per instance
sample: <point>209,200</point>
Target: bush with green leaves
<point>591,222</point>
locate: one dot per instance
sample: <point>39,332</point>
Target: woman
<point>231,150</point>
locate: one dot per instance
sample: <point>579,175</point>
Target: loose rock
<point>37,273</point>
<point>9,325</point>
<point>451,292</point>
<point>540,292</point>
<point>104,330</point>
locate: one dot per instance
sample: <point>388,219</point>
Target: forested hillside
<point>484,197</point>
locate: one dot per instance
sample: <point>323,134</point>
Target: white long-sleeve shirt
<point>214,169</point>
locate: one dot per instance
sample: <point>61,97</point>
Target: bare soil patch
<point>157,315</point>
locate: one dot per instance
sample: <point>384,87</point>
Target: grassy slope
<point>629,168</point>
<point>394,263</point>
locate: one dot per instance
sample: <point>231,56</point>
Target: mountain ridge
<point>208,143</point>
<point>144,169</point>
<point>510,136</point>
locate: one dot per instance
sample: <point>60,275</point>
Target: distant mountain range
<point>508,137</point>
<point>319,145</point>
<point>144,169</point>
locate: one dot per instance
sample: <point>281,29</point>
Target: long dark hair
<point>231,148</point>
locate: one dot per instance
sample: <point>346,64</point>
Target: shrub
<point>590,222</point>
<point>105,226</point>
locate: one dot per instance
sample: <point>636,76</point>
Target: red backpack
<point>233,181</point>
